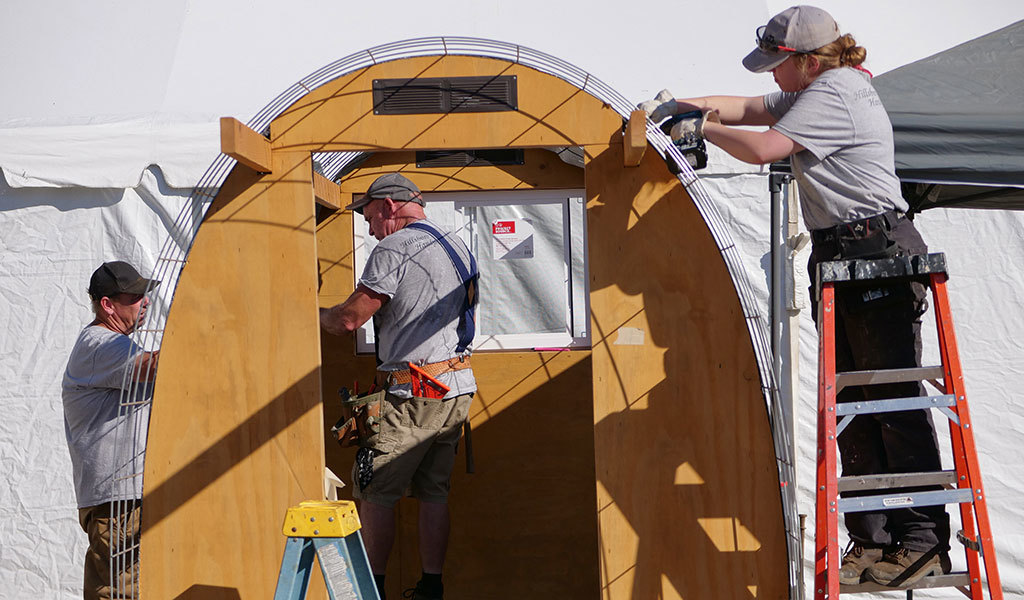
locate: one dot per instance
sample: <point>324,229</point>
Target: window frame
<point>577,336</point>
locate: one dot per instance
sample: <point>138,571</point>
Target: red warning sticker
<point>512,239</point>
<point>503,227</point>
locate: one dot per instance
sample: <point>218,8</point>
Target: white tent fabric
<point>104,134</point>
<point>106,153</point>
<point>50,241</point>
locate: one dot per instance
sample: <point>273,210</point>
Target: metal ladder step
<point>896,480</point>
<point>850,378</point>
<point>904,500</point>
<point>894,404</point>
<point>848,410</point>
<point>956,579</point>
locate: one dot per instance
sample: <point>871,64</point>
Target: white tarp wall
<point>108,117</point>
<point>50,241</point>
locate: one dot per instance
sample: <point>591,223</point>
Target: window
<point>531,250</point>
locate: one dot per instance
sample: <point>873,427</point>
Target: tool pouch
<point>868,238</point>
<point>876,245</point>
<point>360,419</point>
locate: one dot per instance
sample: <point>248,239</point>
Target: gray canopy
<point>958,118</point>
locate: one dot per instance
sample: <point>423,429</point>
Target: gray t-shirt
<point>847,171</point>
<point>92,393</point>
<point>420,320</point>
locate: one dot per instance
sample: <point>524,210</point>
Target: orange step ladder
<point>961,485</point>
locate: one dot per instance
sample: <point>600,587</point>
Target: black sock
<point>430,583</point>
<point>379,580</point>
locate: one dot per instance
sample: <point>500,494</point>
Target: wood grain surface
<point>236,434</point>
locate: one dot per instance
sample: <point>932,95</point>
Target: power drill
<point>692,147</point>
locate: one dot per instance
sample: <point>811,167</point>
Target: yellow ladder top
<point>321,519</point>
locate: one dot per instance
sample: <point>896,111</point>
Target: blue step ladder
<point>329,531</point>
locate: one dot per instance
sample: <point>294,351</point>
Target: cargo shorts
<point>414,451</point>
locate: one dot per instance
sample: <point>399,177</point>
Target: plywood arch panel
<point>550,113</point>
<point>663,480</point>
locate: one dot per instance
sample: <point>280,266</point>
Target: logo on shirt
<point>503,227</point>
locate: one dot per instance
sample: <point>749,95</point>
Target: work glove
<point>662,107</point>
<point>692,129</point>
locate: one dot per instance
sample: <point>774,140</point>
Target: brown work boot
<point>855,561</point>
<point>904,567</point>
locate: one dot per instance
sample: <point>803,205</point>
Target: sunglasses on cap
<point>767,44</point>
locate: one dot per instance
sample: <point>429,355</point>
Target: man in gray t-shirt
<point>103,364</point>
<point>419,286</point>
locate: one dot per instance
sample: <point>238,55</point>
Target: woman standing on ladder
<point>829,121</point>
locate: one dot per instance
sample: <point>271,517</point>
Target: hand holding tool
<point>663,106</point>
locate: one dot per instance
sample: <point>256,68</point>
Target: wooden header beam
<point>245,145</point>
<point>634,139</point>
<point>326,192</point>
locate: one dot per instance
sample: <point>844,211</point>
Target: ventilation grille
<point>468,158</point>
<point>444,94</point>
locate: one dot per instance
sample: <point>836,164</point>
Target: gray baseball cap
<point>393,185</point>
<point>798,29</point>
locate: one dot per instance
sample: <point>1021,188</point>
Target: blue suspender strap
<point>468,275</point>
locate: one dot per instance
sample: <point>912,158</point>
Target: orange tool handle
<point>425,386</point>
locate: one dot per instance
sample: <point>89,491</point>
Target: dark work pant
<point>879,327</point>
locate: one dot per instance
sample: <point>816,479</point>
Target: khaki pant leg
<point>101,528</point>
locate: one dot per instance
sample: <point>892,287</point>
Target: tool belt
<point>868,237</point>
<point>386,378</point>
<point>360,418</point>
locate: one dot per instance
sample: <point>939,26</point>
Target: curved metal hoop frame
<point>173,254</point>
